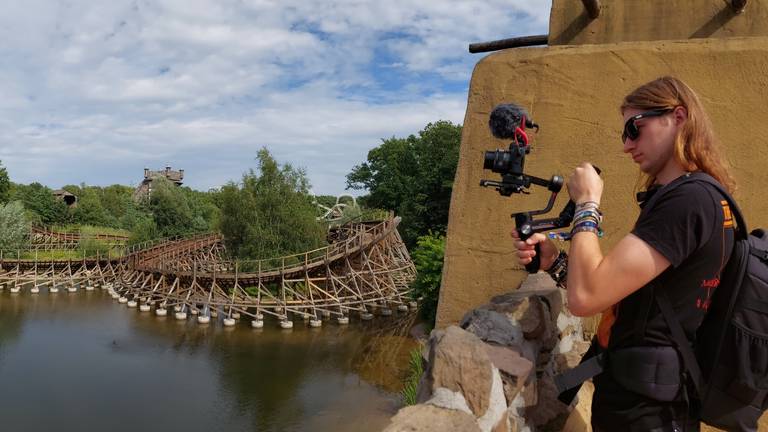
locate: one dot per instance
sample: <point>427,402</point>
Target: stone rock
<point>449,399</point>
<point>569,324</point>
<point>497,408</point>
<point>548,412</point>
<point>515,369</point>
<point>509,361</point>
<point>516,414</point>
<point>502,425</point>
<point>493,327</point>
<point>458,361</point>
<point>428,418</point>
<point>571,358</point>
<point>543,286</point>
<point>537,303</point>
<point>530,393</point>
<point>528,312</point>
<point>512,387</point>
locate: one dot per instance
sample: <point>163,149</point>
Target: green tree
<point>117,200</point>
<point>14,227</point>
<point>270,213</point>
<point>205,213</point>
<point>143,229</point>
<point>412,176</point>
<point>5,185</point>
<point>428,258</point>
<point>39,200</point>
<point>170,209</point>
<point>90,211</point>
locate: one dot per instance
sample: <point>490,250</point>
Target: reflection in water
<point>82,361</point>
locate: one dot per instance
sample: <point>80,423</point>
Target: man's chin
<point>647,169</point>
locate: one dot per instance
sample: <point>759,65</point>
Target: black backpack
<point>728,364</point>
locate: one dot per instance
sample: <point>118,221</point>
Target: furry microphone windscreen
<point>504,119</point>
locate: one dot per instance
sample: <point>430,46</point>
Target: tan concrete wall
<point>573,92</point>
<point>647,20</point>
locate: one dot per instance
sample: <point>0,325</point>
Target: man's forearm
<point>584,258</point>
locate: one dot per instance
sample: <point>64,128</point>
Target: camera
<point>509,121</point>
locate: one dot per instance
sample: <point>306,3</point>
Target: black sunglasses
<point>630,128</point>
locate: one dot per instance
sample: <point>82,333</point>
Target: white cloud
<point>95,91</point>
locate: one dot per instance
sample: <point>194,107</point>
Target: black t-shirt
<point>691,225</point>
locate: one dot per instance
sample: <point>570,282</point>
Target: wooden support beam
<point>738,5</point>
<point>516,42</point>
<point>592,7</point>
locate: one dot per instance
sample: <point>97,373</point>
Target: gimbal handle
<point>526,226</point>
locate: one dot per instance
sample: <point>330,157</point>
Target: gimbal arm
<point>526,226</point>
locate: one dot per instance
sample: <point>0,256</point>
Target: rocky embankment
<point>494,372</point>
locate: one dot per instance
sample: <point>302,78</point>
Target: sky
<point>95,91</point>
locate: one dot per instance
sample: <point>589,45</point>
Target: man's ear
<point>680,115</point>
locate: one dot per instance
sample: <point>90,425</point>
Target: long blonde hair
<point>696,147</point>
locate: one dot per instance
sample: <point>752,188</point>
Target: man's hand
<point>585,184</point>
<point>526,249</point>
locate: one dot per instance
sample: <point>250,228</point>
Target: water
<point>81,362</point>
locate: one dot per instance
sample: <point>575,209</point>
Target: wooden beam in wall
<point>593,7</point>
<point>738,5</point>
<point>516,42</point>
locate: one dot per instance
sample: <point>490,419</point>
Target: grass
<point>411,385</point>
<point>66,254</point>
<point>90,229</point>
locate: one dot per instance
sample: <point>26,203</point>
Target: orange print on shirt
<point>727,216</point>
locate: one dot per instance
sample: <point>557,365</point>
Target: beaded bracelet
<point>589,212</point>
<point>587,218</point>
<point>593,228</point>
<point>558,271</point>
<point>588,203</point>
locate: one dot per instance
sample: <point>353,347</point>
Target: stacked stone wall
<point>494,372</point>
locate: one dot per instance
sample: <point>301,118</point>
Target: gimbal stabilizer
<point>509,121</point>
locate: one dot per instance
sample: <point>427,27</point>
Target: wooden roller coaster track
<point>367,269</point>
<point>42,238</point>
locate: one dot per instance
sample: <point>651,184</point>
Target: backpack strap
<point>741,231</point>
<point>665,305</point>
<point>741,226</point>
<point>681,341</point>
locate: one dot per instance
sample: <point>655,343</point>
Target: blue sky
<point>95,91</point>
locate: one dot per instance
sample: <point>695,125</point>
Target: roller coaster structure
<point>366,270</point>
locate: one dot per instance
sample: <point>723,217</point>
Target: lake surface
<point>82,362</point>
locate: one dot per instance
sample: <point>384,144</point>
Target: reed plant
<point>415,371</point>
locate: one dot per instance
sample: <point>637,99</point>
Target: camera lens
<point>490,158</point>
<point>498,161</point>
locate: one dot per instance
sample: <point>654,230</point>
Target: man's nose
<point>629,144</point>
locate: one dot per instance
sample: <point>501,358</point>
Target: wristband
<point>559,269</point>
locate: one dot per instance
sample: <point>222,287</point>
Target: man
<point>680,246</point>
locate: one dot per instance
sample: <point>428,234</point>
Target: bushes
<point>14,227</point>
<point>270,213</point>
<point>39,200</point>
<point>428,258</point>
<point>90,246</point>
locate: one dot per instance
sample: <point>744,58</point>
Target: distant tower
<point>145,188</point>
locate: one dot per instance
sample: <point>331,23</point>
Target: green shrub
<point>428,258</point>
<point>14,227</point>
<point>90,246</point>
